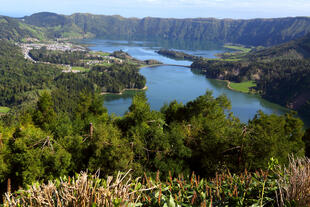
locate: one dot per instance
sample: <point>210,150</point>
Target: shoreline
<point>125,89</point>
<point>153,65</point>
<point>228,85</point>
<point>156,65</point>
<point>230,88</point>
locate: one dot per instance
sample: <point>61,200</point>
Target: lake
<point>168,83</point>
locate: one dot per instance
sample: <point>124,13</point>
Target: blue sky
<point>163,8</point>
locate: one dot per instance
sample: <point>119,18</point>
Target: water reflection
<point>129,94</point>
<point>179,44</point>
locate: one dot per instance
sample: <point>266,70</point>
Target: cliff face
<point>248,32</point>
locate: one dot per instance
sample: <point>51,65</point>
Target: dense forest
<point>42,144</point>
<point>22,81</point>
<point>248,32</point>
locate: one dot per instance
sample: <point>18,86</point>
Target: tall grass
<point>289,186</point>
<point>294,183</point>
<point>83,191</point>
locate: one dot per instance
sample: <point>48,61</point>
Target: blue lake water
<point>168,83</point>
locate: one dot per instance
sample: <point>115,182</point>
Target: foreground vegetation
<point>58,138</point>
<point>275,187</point>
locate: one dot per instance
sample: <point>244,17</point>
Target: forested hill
<point>282,72</point>
<point>248,32</point>
<point>22,81</point>
<point>13,29</point>
<point>295,49</point>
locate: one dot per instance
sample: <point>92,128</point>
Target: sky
<point>236,9</point>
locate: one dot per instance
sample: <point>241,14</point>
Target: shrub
<point>294,182</point>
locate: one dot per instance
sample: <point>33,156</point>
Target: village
<point>92,58</point>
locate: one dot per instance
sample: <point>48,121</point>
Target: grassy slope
<point>242,87</point>
<point>238,53</point>
<point>81,69</point>
<point>4,109</point>
<point>16,30</point>
<point>36,32</point>
<point>238,48</point>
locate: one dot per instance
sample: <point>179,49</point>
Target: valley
<point>99,110</point>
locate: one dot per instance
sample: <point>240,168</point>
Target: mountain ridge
<point>255,32</point>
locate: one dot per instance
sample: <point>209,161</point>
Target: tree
<point>175,158</point>
<point>90,110</point>
<point>35,155</point>
<point>5,162</point>
<point>111,153</point>
<point>273,136</point>
<point>211,134</point>
<point>45,115</point>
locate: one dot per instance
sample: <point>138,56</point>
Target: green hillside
<point>16,30</point>
<point>296,49</point>
<point>248,32</point>
<point>281,73</point>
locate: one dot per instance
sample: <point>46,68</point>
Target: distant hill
<point>57,26</point>
<point>47,19</point>
<point>296,49</point>
<point>255,32</point>
<point>13,29</point>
